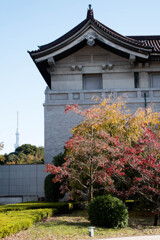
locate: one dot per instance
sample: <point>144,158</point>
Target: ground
<point>75,226</point>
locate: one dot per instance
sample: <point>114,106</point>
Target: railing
<point>136,95</point>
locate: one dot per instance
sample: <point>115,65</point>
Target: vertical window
<point>136,79</point>
<point>155,80</point>
<point>92,82</point>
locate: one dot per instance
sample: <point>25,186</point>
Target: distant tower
<point>16,145</point>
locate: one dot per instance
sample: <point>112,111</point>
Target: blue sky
<point>26,24</point>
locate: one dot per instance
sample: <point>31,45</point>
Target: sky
<point>26,24</point>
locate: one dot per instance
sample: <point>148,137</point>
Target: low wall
<point>22,180</point>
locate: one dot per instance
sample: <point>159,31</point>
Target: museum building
<point>94,60</point>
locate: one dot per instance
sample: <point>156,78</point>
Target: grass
<point>75,226</point>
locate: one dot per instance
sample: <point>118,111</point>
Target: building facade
<point>93,60</point>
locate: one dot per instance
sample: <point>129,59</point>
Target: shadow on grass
<point>78,219</point>
<point>64,223</point>
<point>142,222</point>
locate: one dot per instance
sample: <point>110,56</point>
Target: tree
<point>141,179</point>
<point>100,145</point>
<point>30,154</point>
<point>1,145</point>
<point>28,149</point>
<point>86,164</point>
<point>25,154</point>
<point>2,160</point>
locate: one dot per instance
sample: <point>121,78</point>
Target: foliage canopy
<point>114,148</point>
<point>25,154</point>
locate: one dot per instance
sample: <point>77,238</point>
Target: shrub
<point>52,192</point>
<point>12,222</point>
<point>16,217</point>
<point>62,207</point>
<point>58,160</point>
<point>108,211</point>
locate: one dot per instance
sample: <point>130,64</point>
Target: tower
<point>16,145</point>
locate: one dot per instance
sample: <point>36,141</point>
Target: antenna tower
<point>16,145</point>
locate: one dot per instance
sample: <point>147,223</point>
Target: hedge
<point>62,207</point>
<point>17,217</point>
<point>12,222</point>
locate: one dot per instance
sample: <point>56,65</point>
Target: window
<point>92,82</point>
<point>155,80</point>
<point>136,79</point>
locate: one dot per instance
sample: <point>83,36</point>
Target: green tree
<point>2,159</point>
<point>27,149</point>
<point>25,154</point>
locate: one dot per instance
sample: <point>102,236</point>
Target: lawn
<point>75,226</point>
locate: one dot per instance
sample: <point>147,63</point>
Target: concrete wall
<point>68,73</point>
<point>57,130</point>
<point>22,180</point>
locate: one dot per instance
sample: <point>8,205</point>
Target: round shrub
<point>108,211</point>
<point>51,190</point>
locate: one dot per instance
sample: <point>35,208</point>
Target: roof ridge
<point>145,37</point>
<point>118,35</point>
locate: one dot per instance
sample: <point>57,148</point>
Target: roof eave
<point>41,55</point>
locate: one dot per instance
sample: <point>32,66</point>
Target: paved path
<point>147,237</point>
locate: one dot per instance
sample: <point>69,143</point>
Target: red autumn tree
<point>113,149</point>
<point>89,162</point>
<point>141,179</point>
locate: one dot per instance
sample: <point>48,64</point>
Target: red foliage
<point>96,157</point>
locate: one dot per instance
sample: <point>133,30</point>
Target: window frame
<point>153,74</point>
<point>90,76</point>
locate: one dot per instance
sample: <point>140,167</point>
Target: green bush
<point>14,221</point>
<point>58,160</point>
<point>16,217</point>
<point>52,192</point>
<point>62,207</point>
<point>108,211</point>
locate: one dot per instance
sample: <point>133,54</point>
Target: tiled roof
<point>143,42</point>
<point>64,37</point>
<point>90,18</point>
<point>152,41</point>
<point>119,36</point>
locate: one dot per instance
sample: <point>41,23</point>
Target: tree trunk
<point>91,192</point>
<point>91,183</point>
<point>90,168</point>
<point>156,218</point>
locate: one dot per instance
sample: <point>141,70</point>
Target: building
<point>92,59</point>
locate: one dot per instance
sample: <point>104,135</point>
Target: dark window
<point>92,82</point>
<point>136,79</point>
